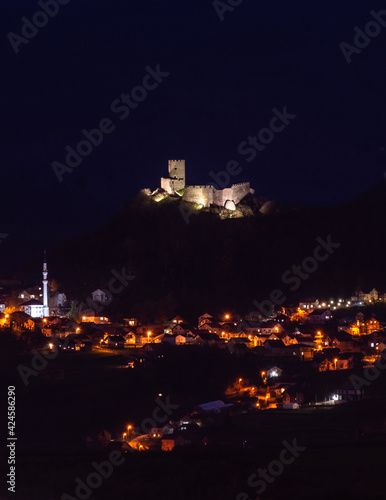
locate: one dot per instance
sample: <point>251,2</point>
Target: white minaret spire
<point>46,310</point>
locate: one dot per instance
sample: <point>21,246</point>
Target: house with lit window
<point>204,318</point>
<point>319,316</point>
<point>343,341</point>
<point>272,327</point>
<point>212,327</point>
<point>181,329</point>
<point>273,372</point>
<point>204,338</point>
<point>372,296</point>
<point>372,325</point>
<point>115,341</point>
<point>91,316</point>
<point>350,394</point>
<point>289,339</point>
<point>308,304</point>
<point>33,308</point>
<point>177,320</point>
<point>174,339</point>
<point>344,361</point>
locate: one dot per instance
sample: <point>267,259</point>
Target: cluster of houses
<point>304,330</point>
<point>179,430</point>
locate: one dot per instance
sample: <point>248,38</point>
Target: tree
<point>74,312</point>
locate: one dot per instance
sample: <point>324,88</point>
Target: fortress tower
<point>176,179</point>
<point>203,195</point>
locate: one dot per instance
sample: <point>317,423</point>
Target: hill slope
<point>223,264</point>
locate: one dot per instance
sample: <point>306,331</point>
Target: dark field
<point>344,455</point>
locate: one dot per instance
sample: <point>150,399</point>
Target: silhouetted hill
<point>217,265</point>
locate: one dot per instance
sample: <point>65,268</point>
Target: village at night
<point>192,250</point>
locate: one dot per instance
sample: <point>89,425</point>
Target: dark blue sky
<point>225,79</point>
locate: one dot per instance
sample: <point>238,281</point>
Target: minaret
<point>46,311</point>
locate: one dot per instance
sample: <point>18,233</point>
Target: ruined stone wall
<point>165,184</point>
<point>235,193</point>
<point>202,195</point>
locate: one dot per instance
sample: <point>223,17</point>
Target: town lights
<point>335,361</point>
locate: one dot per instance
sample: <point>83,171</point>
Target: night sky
<point>225,78</point>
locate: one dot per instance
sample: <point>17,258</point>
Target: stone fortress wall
<point>205,195</point>
<point>234,193</point>
<point>202,195</point>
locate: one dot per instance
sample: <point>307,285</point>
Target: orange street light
<point>335,360</point>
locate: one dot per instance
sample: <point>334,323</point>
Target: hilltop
<point>204,261</point>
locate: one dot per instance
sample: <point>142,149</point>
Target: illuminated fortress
<point>205,195</point>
